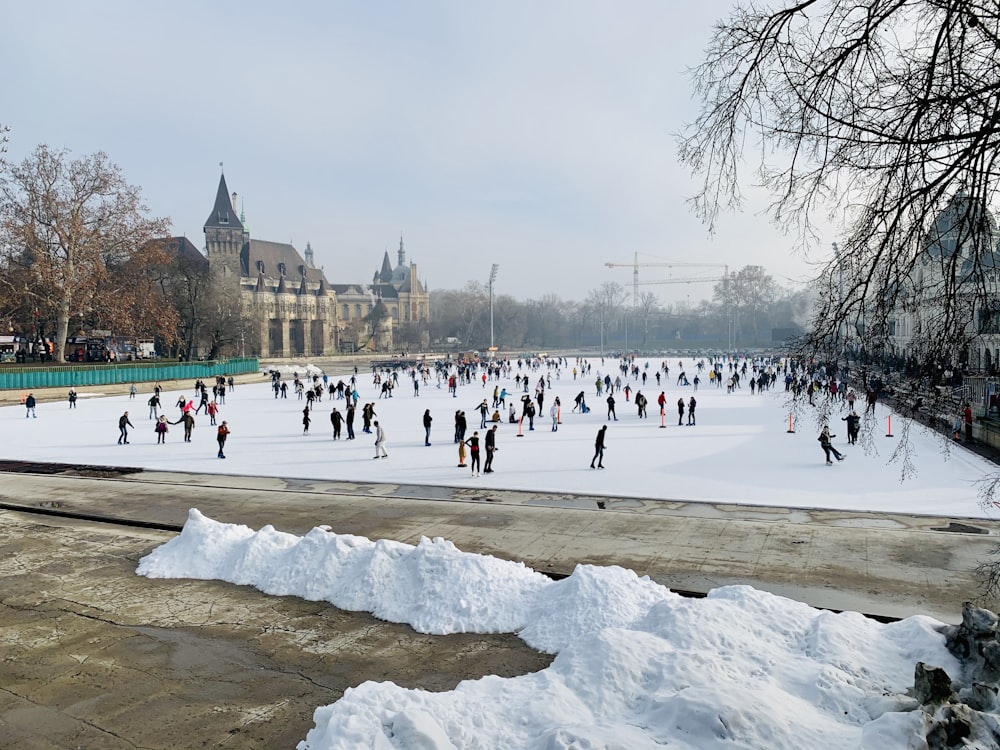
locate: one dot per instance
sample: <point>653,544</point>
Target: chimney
<point>235,210</point>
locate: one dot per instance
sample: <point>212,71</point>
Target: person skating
<point>349,420</point>
<point>213,409</point>
<point>611,408</point>
<point>379,441</point>
<point>491,448</point>
<point>824,441</point>
<point>680,411</point>
<point>154,406</point>
<point>72,398</point>
<point>306,420</point>
<point>691,406</point>
<point>599,449</point>
<point>473,443</point>
<point>29,404</point>
<point>853,426</point>
<point>427,426</point>
<point>221,434</point>
<point>187,419</point>
<point>123,425</point>
<point>337,420</point>
<point>161,429</point>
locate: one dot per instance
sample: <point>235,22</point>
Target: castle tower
<point>224,237</point>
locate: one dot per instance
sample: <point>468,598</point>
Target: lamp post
<point>493,277</point>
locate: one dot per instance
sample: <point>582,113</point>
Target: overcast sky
<point>536,135</point>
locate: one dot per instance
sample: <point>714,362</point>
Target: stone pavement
<point>95,656</point>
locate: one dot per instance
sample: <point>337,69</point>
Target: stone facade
<point>289,307</point>
<point>287,304</point>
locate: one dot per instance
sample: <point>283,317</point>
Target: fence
<point>26,378</point>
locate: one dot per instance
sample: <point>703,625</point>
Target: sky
<point>540,137</point>
<point>636,666</point>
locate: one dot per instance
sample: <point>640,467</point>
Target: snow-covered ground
<point>636,666</point>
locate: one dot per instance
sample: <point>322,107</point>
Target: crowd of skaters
<point>534,379</point>
<point>500,402</point>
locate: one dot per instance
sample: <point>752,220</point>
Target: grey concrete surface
<point>96,657</point>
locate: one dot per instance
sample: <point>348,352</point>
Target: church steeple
<point>309,256</point>
<point>401,255</point>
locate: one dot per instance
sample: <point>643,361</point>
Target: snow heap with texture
<point>636,665</point>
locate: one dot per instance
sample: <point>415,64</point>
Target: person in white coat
<point>379,441</point>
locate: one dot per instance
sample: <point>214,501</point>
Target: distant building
<point>399,289</point>
<point>950,265</point>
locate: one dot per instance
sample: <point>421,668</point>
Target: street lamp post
<point>493,277</point>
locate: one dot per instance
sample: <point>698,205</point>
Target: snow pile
<point>637,666</point>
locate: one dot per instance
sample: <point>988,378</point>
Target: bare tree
<point>605,303</point>
<point>884,115</point>
<point>63,223</point>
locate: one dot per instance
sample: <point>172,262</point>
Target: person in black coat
<point>427,426</point>
<point>853,426</point>
<point>599,449</point>
<point>123,425</point>
<point>491,448</point>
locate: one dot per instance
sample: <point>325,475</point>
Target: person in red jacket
<point>222,434</point>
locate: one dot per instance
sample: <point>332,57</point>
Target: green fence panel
<point>29,378</point>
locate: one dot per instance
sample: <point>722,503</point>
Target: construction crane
<point>635,265</point>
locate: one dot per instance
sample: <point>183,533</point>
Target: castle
<point>289,307</point>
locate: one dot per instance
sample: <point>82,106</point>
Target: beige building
<point>288,305</point>
<point>286,302</point>
<point>405,298</point>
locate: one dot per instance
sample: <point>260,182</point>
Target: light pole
<point>493,277</point>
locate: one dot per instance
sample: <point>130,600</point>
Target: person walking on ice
<point>824,441</point>
<point>599,449</point>
<point>379,441</point>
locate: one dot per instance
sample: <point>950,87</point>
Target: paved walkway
<point>95,656</point>
<point>879,564</point>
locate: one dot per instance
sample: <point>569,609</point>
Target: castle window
<point>347,311</point>
<point>223,217</point>
<point>260,266</point>
<point>281,268</point>
<point>357,310</point>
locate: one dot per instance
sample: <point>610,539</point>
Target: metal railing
<point>76,375</point>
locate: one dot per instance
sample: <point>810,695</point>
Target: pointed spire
<point>309,256</point>
<point>223,215</point>
<point>401,255</point>
<point>260,282</point>
<point>385,275</point>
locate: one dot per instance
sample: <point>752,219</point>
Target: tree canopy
<point>875,114</point>
<point>70,235</point>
